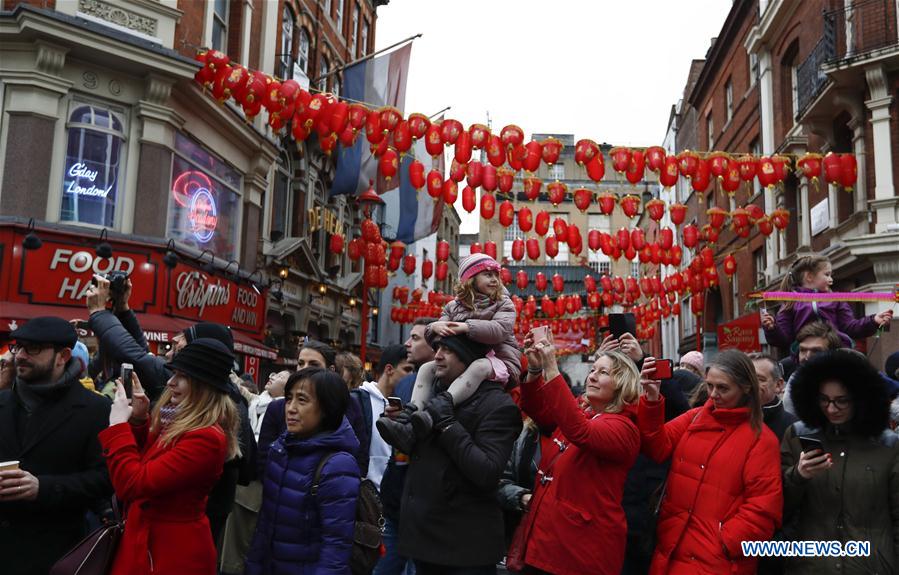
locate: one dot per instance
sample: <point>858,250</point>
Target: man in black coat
<point>771,387</point>
<point>450,520</point>
<point>49,424</point>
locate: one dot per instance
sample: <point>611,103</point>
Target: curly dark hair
<point>870,396</point>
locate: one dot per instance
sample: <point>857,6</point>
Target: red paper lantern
<point>551,247</point>
<point>669,172</point>
<point>433,141</point>
<point>573,237</point>
<point>584,151</point>
<point>702,178</point>
<point>730,182</point>
<point>551,150</point>
<point>718,164</point>
<point>765,226</point>
<point>691,236</point>
<point>370,232</point>
<point>450,192</point>
<point>512,136</point>
<point>521,279</point>
<point>354,249</point>
<point>635,167</point>
<point>488,179</point>
<point>506,178</point>
<point>496,153</point>
<point>409,264</point>
<point>848,171</point>
<point>557,192</point>
<point>606,203</point>
<point>418,125</point>
<point>417,174</point>
<point>533,248</point>
<point>810,166</point>
<point>532,188</point>
<point>443,250</point>
<point>427,269</point>
<point>582,199</point>
<point>525,219</point>
<point>388,164</point>
<point>677,255</point>
<point>621,158</point>
<point>442,270</point>
<point>435,184</point>
<point>476,248</point>
<point>506,214</point>
<point>533,157</point>
<point>475,173</point>
<point>560,228</point>
<point>780,218</point>
<point>717,216</point>
<point>766,172</point>
<point>593,239</point>
<point>540,282</point>
<point>490,249</point>
<point>589,283</point>
<point>548,307</point>
<point>450,130</point>
<point>488,206</point>
<point>678,213</point>
<point>638,239</point>
<point>688,163</point>
<point>506,276</point>
<point>541,225</point>
<point>666,238</point>
<point>656,209</point>
<point>630,205</point>
<point>624,238</point>
<point>558,283</point>
<point>596,169</point>
<point>710,234</point>
<point>468,199</point>
<point>740,218</point>
<point>402,136</point>
<point>518,249</point>
<point>336,244</point>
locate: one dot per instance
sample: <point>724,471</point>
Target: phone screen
<point>540,333</point>
<point>127,369</point>
<point>622,323</point>
<point>395,402</point>
<point>810,444</point>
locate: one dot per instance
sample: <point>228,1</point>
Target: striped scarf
<point>167,414</point>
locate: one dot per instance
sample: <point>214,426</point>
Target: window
<point>287,31</point>
<point>335,86</point>
<point>94,154</point>
<point>326,6</point>
<point>513,232</point>
<point>303,52</point>
<point>794,90</point>
<point>759,266</point>
<point>753,69</point>
<point>354,32</point>
<point>323,76</point>
<point>340,17</point>
<point>729,99</point>
<point>220,25</point>
<point>364,38</point>
<point>635,269</point>
<point>710,131</point>
<point>558,172</point>
<point>204,209</point>
<point>735,294</point>
<point>280,218</point>
<point>756,148</point>
<point>687,317</point>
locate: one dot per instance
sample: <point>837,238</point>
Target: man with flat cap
<point>450,519</point>
<point>49,424</point>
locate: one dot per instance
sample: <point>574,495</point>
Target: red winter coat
<point>165,489</point>
<point>724,487</point>
<point>576,524</point>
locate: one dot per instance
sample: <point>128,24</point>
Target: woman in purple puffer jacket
<point>299,532</point>
<point>811,274</point>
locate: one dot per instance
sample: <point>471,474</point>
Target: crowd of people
<point>462,454</point>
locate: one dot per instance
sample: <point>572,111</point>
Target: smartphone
<point>540,333</point>
<point>395,402</point>
<point>622,323</point>
<point>127,370</point>
<point>664,369</point>
<point>810,443</point>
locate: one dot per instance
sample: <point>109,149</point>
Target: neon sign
<point>78,171</point>
<point>203,215</point>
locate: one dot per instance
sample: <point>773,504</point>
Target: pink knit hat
<point>694,359</point>
<point>474,264</point>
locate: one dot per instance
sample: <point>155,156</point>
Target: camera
<point>118,283</point>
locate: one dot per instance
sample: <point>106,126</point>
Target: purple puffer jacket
<point>297,534</point>
<point>837,314</point>
<point>492,323</point>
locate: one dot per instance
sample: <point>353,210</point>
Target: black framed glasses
<point>840,403</point>
<point>29,348</point>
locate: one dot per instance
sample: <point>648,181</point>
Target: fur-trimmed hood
<point>864,383</point>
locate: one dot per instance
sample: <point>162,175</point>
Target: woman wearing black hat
<point>163,463</point>
<point>841,465</point>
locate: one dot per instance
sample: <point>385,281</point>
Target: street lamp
<point>368,201</point>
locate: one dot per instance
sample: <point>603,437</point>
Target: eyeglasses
<point>840,403</point>
<point>29,348</point>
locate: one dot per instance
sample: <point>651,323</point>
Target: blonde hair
<point>203,407</point>
<point>808,263</point>
<point>627,381</point>
<point>466,293</point>
<point>347,361</point>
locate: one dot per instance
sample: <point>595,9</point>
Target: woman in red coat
<point>575,524</point>
<point>163,466</point>
<point>724,484</point>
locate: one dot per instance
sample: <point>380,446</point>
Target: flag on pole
<point>410,213</point>
<point>376,82</point>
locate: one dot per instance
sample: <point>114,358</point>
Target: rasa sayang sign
<point>741,333</point>
<point>198,296</point>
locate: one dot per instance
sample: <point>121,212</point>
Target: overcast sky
<point>599,69</point>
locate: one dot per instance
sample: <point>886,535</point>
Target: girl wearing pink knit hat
<point>482,311</point>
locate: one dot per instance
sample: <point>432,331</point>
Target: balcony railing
<point>849,34</point>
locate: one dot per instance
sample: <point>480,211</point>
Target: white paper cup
<point>9,465</point>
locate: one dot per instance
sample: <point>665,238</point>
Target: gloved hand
<point>441,410</point>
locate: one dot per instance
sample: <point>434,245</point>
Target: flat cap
<point>47,329</point>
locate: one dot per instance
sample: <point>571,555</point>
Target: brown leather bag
<point>94,554</point>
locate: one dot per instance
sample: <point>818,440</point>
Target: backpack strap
<point>317,478</point>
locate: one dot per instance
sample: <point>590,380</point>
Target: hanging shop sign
<point>741,333</point>
<point>198,296</point>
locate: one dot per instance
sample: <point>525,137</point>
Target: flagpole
<point>364,58</point>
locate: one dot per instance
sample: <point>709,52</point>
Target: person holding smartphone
<point>579,487</point>
<point>840,465</point>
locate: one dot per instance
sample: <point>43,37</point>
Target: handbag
<point>94,554</point>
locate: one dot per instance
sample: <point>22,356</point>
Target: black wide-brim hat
<point>207,360</point>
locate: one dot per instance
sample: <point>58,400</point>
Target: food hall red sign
<point>741,333</point>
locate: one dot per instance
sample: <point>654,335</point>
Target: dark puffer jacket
<point>296,532</point>
<point>858,498</point>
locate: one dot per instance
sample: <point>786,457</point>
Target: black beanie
<point>207,360</point>
<point>466,349</point>
<point>212,330</point>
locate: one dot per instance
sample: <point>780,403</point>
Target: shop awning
<point>157,328</point>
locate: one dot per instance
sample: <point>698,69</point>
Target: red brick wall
<point>189,30</point>
<point>235,22</point>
